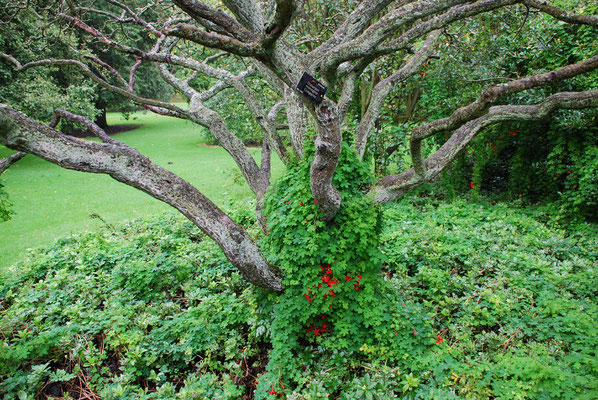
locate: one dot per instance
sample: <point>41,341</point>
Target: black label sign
<point>311,88</point>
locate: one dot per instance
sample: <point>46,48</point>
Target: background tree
<point>320,223</point>
<point>40,93</point>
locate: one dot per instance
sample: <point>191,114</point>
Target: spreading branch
<point>483,102</point>
<point>392,186</point>
<point>127,165</point>
<point>215,19</point>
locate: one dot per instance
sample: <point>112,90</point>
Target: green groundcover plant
<point>459,300</point>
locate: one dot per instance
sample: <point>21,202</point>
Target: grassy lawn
<point>50,202</point>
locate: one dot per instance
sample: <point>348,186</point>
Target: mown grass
<point>50,202</point>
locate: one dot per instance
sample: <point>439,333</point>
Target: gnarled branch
<point>127,165</point>
<point>390,187</point>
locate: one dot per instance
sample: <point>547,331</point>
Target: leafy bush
<point>471,301</point>
<point>146,308</point>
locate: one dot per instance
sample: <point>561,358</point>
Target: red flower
<point>300,203</point>
<point>358,277</point>
<point>348,278</point>
<point>439,339</point>
<point>414,332</point>
<point>308,298</point>
<point>471,184</point>
<point>272,391</point>
<point>356,286</point>
<point>315,201</point>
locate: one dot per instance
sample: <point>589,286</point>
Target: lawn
<point>51,202</point>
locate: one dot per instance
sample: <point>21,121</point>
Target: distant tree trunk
<point>101,119</point>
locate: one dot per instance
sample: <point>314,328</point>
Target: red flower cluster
<point>514,133</point>
<point>309,299</point>
<point>317,331</point>
<point>471,184</point>
<point>439,339</point>
<point>328,279</point>
<point>272,391</point>
<point>322,329</point>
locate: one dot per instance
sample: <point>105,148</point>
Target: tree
<point>319,222</point>
<point>39,93</point>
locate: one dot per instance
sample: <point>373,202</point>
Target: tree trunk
<point>101,119</point>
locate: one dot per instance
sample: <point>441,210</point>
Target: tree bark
<point>10,160</point>
<point>328,145</point>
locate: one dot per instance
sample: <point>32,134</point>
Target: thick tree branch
<point>453,14</point>
<point>492,93</point>
<point>352,26</point>
<point>203,13</point>
<point>10,160</point>
<point>348,89</point>
<point>215,40</point>
<point>127,165</point>
<point>247,12</point>
<point>390,187</point>
<point>486,98</point>
<point>366,44</point>
<point>87,71</point>
<point>285,11</point>
<point>273,113</point>
<point>253,103</point>
<point>298,119</point>
<point>328,149</point>
<point>210,119</point>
